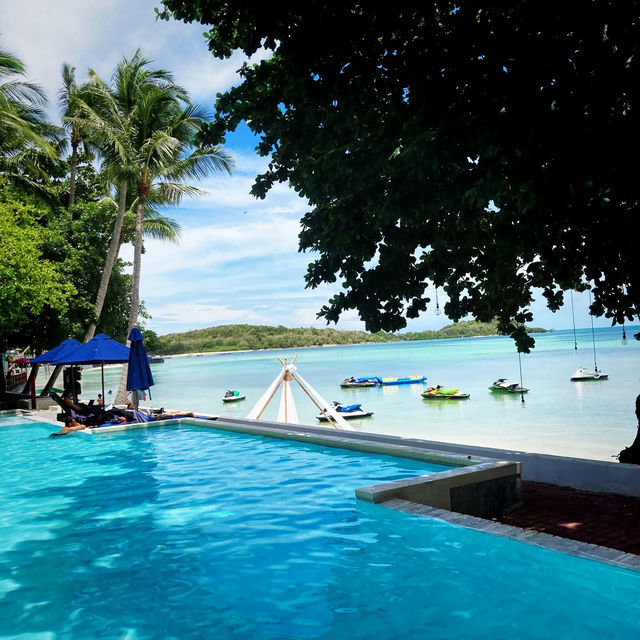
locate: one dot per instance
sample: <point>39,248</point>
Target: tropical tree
<point>107,113</point>
<point>164,157</point>
<point>21,107</point>
<point>475,146</point>
<point>146,128</point>
<point>68,96</point>
<point>28,152</point>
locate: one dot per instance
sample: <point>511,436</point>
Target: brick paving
<point>599,518</point>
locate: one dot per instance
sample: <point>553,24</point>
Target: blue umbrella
<point>139,372</point>
<point>101,349</point>
<point>64,348</point>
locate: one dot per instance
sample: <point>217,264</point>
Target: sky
<point>237,260</point>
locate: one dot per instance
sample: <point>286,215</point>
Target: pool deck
<point>600,526</point>
<point>596,518</point>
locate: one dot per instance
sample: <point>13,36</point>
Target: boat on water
<point>348,412</point>
<point>407,380</point>
<point>582,373</point>
<point>156,359</point>
<point>502,384</point>
<point>588,374</point>
<point>365,381</point>
<point>232,395</point>
<point>438,393</point>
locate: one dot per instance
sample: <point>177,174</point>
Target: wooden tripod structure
<point>287,411</point>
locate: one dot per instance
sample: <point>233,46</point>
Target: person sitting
<point>100,401</point>
<point>94,415</point>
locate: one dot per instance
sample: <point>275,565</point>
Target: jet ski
<point>232,395</point>
<point>366,381</point>
<point>348,412</point>
<point>438,393</point>
<point>501,384</point>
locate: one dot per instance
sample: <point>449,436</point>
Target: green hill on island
<point>239,337</point>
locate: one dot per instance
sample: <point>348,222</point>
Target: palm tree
<point>155,225</point>
<point>146,127</point>
<point>107,114</point>
<point>68,96</point>
<point>165,158</point>
<point>26,138</point>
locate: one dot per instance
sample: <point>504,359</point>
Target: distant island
<point>247,337</point>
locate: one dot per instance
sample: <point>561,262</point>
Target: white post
<point>261,405</point>
<point>323,403</point>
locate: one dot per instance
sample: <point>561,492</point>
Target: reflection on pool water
<point>191,533</point>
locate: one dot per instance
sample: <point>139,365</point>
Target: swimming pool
<point>184,532</point>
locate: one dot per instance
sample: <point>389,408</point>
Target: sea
<point>590,419</point>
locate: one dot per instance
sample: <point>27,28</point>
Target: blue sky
<point>238,259</point>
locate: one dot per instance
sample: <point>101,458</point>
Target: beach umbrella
<point>101,349</point>
<point>65,347</point>
<point>139,372</point>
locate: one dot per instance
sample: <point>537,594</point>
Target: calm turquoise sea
<point>592,419</point>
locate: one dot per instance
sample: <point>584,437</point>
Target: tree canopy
<point>474,146</point>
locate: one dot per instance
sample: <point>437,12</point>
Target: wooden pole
<point>32,377</point>
<point>34,403</point>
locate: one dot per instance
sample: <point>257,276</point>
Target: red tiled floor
<point>599,518</point>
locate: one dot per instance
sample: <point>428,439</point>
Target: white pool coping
<point>385,445</point>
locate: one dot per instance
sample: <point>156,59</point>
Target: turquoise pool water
<point>191,533</point>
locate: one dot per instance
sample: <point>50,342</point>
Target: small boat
<point>501,384</point>
<point>366,381</point>
<point>407,380</point>
<point>588,374</point>
<point>349,412</point>
<point>438,393</point>
<point>156,359</point>
<point>583,373</point>
<point>232,395</point>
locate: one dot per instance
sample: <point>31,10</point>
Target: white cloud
<point>92,34</point>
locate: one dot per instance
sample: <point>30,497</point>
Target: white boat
<point>583,373</point>
<point>348,413</point>
<point>588,374</point>
<point>232,395</point>
<point>502,384</point>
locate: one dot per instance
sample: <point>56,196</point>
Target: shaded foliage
<point>52,263</point>
<point>476,146</point>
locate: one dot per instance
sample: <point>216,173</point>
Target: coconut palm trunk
<point>112,255</point>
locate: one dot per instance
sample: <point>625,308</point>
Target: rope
<point>573,317</point>
<point>322,410</point>
<point>593,336</point>
<point>521,385</point>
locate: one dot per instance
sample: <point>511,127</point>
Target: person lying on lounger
<point>166,413</point>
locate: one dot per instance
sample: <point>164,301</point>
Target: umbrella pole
<point>73,384</point>
<point>104,402</point>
